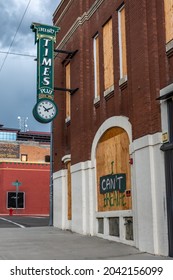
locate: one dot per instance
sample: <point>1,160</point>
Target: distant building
<point>113,137</point>
<point>25,158</point>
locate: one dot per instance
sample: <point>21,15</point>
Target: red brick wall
<point>148,69</point>
<point>35,153</point>
<point>35,179</point>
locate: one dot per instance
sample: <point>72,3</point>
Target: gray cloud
<point>18,75</point>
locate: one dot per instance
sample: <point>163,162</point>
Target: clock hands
<point>47,109</point>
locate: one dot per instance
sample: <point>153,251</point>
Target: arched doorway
<point>113,180</point>
<point>113,171</point>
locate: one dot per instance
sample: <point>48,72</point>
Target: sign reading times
<point>113,182</point>
<point>45,37</point>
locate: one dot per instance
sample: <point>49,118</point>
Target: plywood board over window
<point>122,42</point>
<point>112,158</point>
<point>168,4</point>
<point>68,101</point>
<point>108,55</point>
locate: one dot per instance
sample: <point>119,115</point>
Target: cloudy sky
<point>18,73</point>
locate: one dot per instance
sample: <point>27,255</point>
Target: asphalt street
<point>23,221</point>
<point>30,238</point>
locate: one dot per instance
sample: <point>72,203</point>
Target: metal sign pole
<point>16,197</point>
<point>17,184</point>
<point>51,178</point>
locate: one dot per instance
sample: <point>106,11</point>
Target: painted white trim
<point>108,91</point>
<point>66,158</point>
<point>81,166</point>
<point>123,80</point>
<point>169,46</point>
<point>60,199</point>
<point>68,119</point>
<point>59,174</point>
<point>119,213</point>
<point>95,66</point>
<point>96,100</point>
<point>149,195</point>
<point>117,121</point>
<point>146,141</point>
<point>166,89</point>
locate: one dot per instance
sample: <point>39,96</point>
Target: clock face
<point>45,110</point>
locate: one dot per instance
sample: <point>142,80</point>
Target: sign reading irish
<point>45,37</point>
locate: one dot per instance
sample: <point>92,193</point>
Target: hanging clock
<point>45,110</point>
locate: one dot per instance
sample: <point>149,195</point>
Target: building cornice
<point>80,21</point>
<point>64,11</point>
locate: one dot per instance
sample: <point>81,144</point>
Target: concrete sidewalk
<point>49,243</point>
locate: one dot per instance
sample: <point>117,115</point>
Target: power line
<point>15,35</point>
<point>19,54</point>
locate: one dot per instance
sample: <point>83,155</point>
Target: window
<point>7,136</point>
<point>100,225</point>
<point>108,55</point>
<point>122,42</point>
<point>96,67</point>
<point>47,158</point>
<point>24,157</point>
<point>68,98</point>
<point>13,203</point>
<point>114,226</point>
<point>168,5</point>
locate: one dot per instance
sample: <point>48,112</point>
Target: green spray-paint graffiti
<point>113,186</point>
<point>114,199</point>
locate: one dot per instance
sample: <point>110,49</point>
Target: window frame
<point>19,192</point>
<point>122,51</point>
<point>96,67</point>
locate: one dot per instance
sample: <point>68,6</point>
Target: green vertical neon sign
<point>45,37</point>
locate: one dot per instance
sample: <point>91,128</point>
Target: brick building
<point>113,134</point>
<point>24,158</point>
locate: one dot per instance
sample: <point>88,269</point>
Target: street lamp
<point>23,123</point>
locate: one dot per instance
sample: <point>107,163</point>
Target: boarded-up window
<point>113,171</point>
<point>122,42</point>
<point>168,19</point>
<point>68,103</point>
<point>108,55</point>
<point>96,67</point>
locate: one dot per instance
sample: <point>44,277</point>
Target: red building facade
<point>28,162</point>
<point>112,136</point>
<point>34,179</point>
